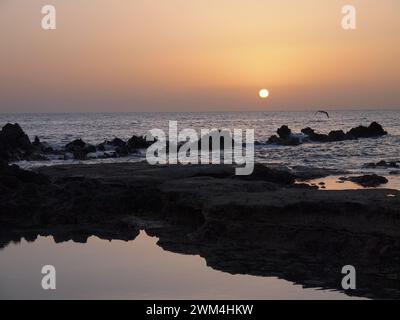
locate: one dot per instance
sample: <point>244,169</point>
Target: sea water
<point>59,129</point>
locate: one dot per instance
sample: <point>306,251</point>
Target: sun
<point>264,93</point>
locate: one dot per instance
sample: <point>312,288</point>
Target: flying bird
<point>324,112</point>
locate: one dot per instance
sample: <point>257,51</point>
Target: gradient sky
<point>198,55</point>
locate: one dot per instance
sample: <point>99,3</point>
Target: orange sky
<point>198,55</point>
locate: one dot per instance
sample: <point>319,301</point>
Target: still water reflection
<point>138,269</point>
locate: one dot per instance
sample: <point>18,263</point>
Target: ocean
<point>59,129</point>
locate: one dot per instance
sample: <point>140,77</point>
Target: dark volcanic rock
<point>264,173</point>
<point>79,145</point>
<point>368,180</point>
<point>36,141</point>
<point>14,143</point>
<point>337,135</point>
<point>382,164</point>
<point>290,141</point>
<point>20,176</point>
<point>222,136</point>
<point>29,199</point>
<point>15,146</point>
<point>79,149</point>
<point>42,147</point>
<point>313,136</point>
<point>308,131</point>
<point>117,145</point>
<point>284,132</point>
<point>286,138</point>
<point>3,163</point>
<point>20,195</point>
<point>117,142</point>
<point>136,143</point>
<point>374,130</point>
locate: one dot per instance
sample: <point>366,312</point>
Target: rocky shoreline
<point>266,224</point>
<point>15,144</point>
<point>287,138</point>
<point>271,223</point>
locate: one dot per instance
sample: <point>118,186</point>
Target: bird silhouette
<point>324,112</point>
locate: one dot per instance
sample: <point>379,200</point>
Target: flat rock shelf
<point>265,224</point>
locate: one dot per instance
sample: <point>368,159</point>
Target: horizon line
<point>195,111</point>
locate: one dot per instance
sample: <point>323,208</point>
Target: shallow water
<point>58,129</point>
<point>334,183</point>
<point>136,269</point>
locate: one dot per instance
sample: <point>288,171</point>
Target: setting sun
<point>264,93</point>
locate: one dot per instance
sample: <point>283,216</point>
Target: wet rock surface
<point>265,225</point>
<point>285,137</point>
<point>279,176</point>
<point>374,130</point>
<point>79,149</point>
<point>14,143</point>
<point>42,147</point>
<point>367,181</point>
<point>382,164</point>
